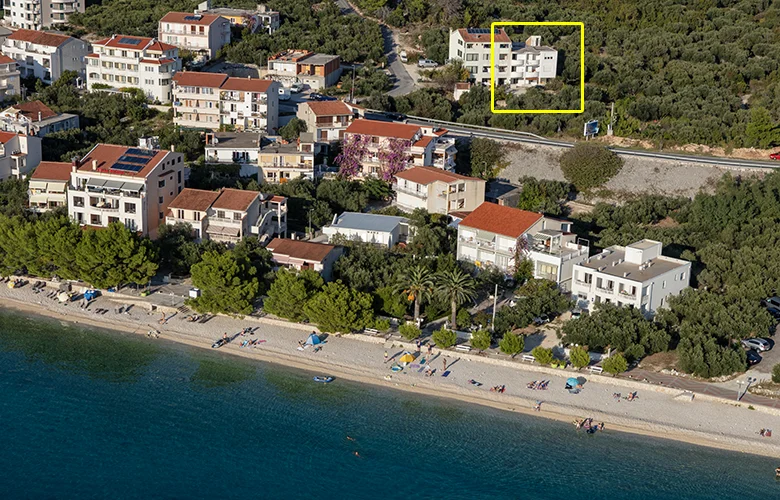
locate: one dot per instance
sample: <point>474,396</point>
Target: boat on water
<point>323,380</point>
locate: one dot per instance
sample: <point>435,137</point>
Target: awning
<point>37,184</point>
<point>92,182</point>
<point>110,184</point>
<point>132,186</point>
<point>223,230</point>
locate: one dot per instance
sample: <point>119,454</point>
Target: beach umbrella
<point>572,382</point>
<point>406,358</point>
<point>313,339</point>
<point>63,297</point>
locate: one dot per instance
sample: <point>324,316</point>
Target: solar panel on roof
<point>193,18</point>
<point>129,41</point>
<point>480,31</point>
<point>133,159</point>
<point>141,152</point>
<point>127,166</point>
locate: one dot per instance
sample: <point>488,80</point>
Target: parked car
<point>541,320</point>
<point>772,302</point>
<point>403,57</point>
<point>284,94</point>
<point>319,97</point>
<point>427,63</point>
<point>753,358</point>
<point>576,313</point>
<point>296,87</point>
<point>774,312</point>
<point>757,344</point>
<point>775,156</point>
<point>395,116</point>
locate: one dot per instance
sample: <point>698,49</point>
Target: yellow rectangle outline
<point>493,27</point>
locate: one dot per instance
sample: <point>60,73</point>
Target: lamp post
<point>493,321</point>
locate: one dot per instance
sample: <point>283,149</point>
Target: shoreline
<point>420,386</point>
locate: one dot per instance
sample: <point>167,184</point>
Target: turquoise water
<point>91,414</point>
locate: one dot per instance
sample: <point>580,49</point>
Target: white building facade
<point>122,62</point>
<point>10,82</point>
<point>40,14</point>
<point>382,230</point>
<point>19,154</point>
<point>203,34</point>
<point>437,191</point>
<point>516,64</point>
<point>45,55</point>
<point>636,275</point>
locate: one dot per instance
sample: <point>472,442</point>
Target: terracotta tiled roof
<point>424,141</point>
<point>383,129</point>
<point>6,136</point>
<point>247,84</point>
<point>427,175</point>
<point>278,199</point>
<point>197,79</point>
<point>107,155</point>
<point>52,171</point>
<point>4,59</point>
<point>303,250</point>
<point>93,55</point>
<point>463,85</point>
<point>39,37</point>
<point>329,108</point>
<point>179,17</point>
<point>499,219</point>
<point>501,36</point>
<point>194,199</point>
<point>32,108</point>
<point>164,60</point>
<point>119,42</point>
<point>235,199</point>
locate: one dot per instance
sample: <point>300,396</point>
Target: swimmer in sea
<point>350,438</point>
<point>357,454</point>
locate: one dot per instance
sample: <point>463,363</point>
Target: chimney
<point>173,148</point>
<point>74,162</point>
<point>94,164</point>
<point>39,116</point>
<point>73,168</point>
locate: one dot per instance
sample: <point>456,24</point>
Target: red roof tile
<point>164,60</point>
<point>32,108</point>
<point>4,59</point>
<point>501,36</point>
<point>143,43</point>
<point>428,175</point>
<point>194,199</point>
<point>499,219</point>
<point>235,199</point>
<point>6,136</point>
<point>424,141</point>
<point>247,84</point>
<point>107,155</point>
<point>39,37</point>
<point>179,17</point>
<point>329,108</point>
<point>52,171</point>
<point>383,129</point>
<point>197,79</point>
<point>297,249</point>
<point>278,199</point>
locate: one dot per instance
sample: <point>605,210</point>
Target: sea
<point>89,413</point>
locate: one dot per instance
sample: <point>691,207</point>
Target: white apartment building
<point>383,230</point>
<point>262,18</point>
<point>327,120</point>
<point>10,83</point>
<point>301,255</point>
<point>40,14</point>
<point>437,191</point>
<point>495,235</point>
<point>203,34</point>
<point>45,55</point>
<point>36,118</point>
<point>229,215</point>
<point>516,64</point>
<point>48,186</point>
<point>124,184</point>
<point>122,62</point>
<point>635,275</point>
<point>303,66</point>
<point>19,154</point>
<point>426,146</point>
<point>213,100</point>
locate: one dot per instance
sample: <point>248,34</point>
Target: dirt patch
<point>743,153</point>
<point>659,361</point>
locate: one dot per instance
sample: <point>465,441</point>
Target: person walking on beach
<point>444,362</point>
<point>385,356</point>
<point>430,350</point>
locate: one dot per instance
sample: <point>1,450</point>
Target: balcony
<point>423,195</point>
<point>608,291</point>
<point>627,294</point>
<point>478,243</point>
<point>224,220</point>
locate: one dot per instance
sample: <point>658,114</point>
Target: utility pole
<point>310,235</point>
<point>352,90</point>
<point>495,300</point>
<point>611,120</point>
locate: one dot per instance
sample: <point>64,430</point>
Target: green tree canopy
<point>512,344</point>
<point>114,255</point>
<point>481,340</point>
<point>337,308</point>
<point>457,287</point>
<point>615,364</point>
<point>228,284</point>
<point>588,165</point>
<point>290,291</point>
<point>487,158</point>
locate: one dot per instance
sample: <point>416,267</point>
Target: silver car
<point>757,344</point>
<point>427,63</point>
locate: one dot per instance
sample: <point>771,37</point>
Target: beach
<point>656,412</point>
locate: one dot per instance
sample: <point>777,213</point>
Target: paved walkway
<point>687,384</point>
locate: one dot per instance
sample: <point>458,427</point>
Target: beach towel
<point>446,374</point>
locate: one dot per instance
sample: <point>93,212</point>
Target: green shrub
<point>444,338</point>
<point>588,165</point>
<point>776,373</point>
<point>481,340</point>
<point>463,319</point>
<point>512,344</point>
<point>409,331</point>
<point>579,357</point>
<point>543,355</point>
<point>615,364</point>
<point>382,324</point>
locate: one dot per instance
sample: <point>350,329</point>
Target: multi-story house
<point>437,191</point>
<point>10,83</point>
<point>211,100</point>
<point>516,64</point>
<point>36,118</point>
<point>203,34</point>
<point>45,55</point>
<point>122,62</point>
<point>300,255</point>
<point>303,66</point>
<point>327,120</point>
<point>262,18</point>
<point>124,184</point>
<point>637,275</point>
<point>19,154</point>
<point>499,236</point>
<point>229,215</point>
<point>39,14</point>
<point>48,186</point>
<point>383,230</point>
<point>423,146</point>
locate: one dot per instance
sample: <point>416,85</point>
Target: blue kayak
<point>323,380</point>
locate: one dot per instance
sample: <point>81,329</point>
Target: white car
<point>427,63</point>
<point>403,57</point>
<point>757,344</point>
<point>296,87</point>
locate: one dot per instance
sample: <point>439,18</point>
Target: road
<point>403,83</point>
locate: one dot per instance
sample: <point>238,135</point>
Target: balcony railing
<point>478,242</point>
<point>605,290</point>
<point>626,293</point>
<point>225,220</point>
<point>418,194</point>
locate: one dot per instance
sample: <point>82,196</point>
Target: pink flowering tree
<point>395,157</point>
<point>354,149</point>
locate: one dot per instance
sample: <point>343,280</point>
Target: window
<point>130,208</point>
<point>664,285</point>
<point>180,214</point>
<point>221,214</point>
<point>94,219</point>
<point>236,216</point>
<point>197,216</point>
<point>460,53</point>
<point>485,57</point>
<point>162,215</point>
<point>472,57</point>
<point>162,200</point>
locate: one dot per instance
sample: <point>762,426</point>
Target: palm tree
<point>457,287</point>
<point>416,284</point>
